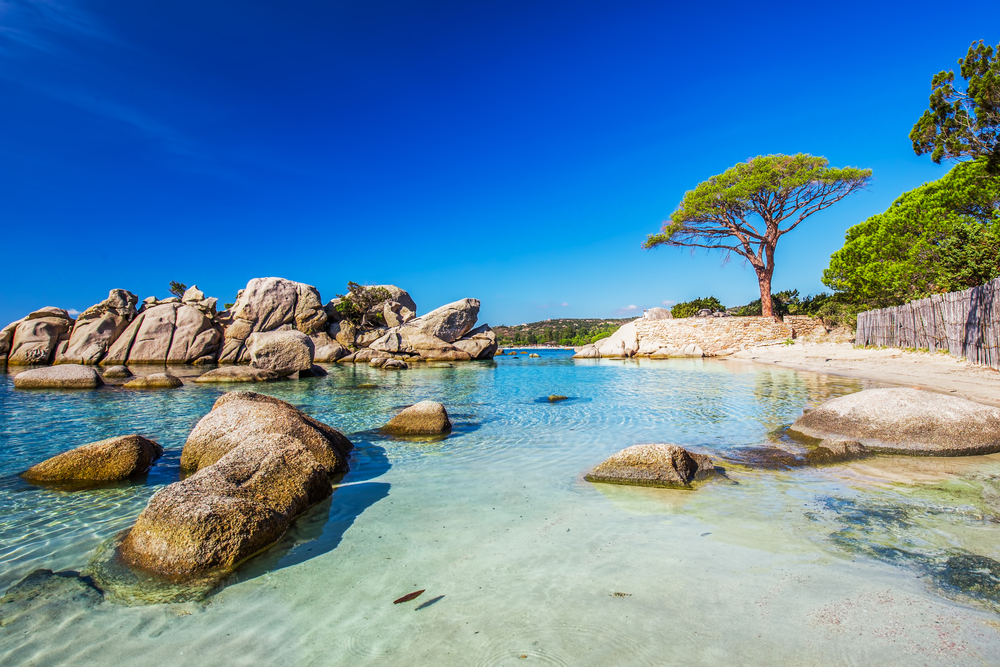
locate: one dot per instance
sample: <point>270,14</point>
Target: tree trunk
<point>764,278</point>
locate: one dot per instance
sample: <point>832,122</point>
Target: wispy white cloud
<point>668,302</point>
<point>564,304</point>
<point>627,310</point>
<point>72,312</point>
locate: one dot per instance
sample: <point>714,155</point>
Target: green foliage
<point>689,308</point>
<point>782,303</point>
<point>569,332</point>
<point>177,289</point>
<point>964,122</point>
<point>749,207</point>
<point>227,306</point>
<point>361,306</point>
<point>940,237</point>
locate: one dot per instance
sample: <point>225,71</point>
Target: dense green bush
<point>689,308</point>
<point>362,305</point>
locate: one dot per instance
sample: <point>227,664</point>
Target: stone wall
<point>722,335</point>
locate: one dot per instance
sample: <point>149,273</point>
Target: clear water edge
<point>519,555</point>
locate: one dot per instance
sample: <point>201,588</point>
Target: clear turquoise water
<point>521,558</point>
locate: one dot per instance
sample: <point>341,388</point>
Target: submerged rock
<point>423,418</point>
<point>48,596</point>
<point>905,421</point>
<point>284,352</point>
<point>238,374</point>
<point>978,576</point>
<point>836,451</point>
<point>241,416</point>
<point>117,372</point>
<point>227,512</point>
<point>653,465</point>
<point>65,376</point>
<point>154,381</point>
<point>108,460</point>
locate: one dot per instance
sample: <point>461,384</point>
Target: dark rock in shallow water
<point>555,398</point>
<point>653,465</point>
<point>905,421</point>
<point>98,462</point>
<point>49,595</point>
<point>423,418</point>
<point>977,576</point>
<point>238,374</point>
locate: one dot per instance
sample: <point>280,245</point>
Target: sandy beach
<point>924,370</point>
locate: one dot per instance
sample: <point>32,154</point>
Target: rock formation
<point>260,462</point>
<point>168,331</point>
<point>653,465</point>
<point>38,337</point>
<point>284,352</point>
<point>270,304</point>
<point>98,327</point>
<point>66,376</point>
<point>423,418</point>
<point>905,421</point>
<point>99,462</point>
<point>238,374</point>
<point>240,416</point>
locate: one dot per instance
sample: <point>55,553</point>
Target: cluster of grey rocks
<point>277,326</point>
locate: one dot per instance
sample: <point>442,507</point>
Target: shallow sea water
<point>522,560</point>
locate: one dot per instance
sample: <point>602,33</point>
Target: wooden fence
<point>966,324</point>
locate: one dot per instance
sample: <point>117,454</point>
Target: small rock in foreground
<point>653,465</point>
<point>154,381</point>
<point>905,421</point>
<point>108,460</point>
<point>64,376</point>
<point>284,352</point>
<point>555,398</point>
<point>238,374</point>
<point>117,372</point>
<point>423,418</point>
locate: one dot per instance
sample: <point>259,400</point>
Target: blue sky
<point>517,152</point>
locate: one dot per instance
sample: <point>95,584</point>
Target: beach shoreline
<point>924,370</point>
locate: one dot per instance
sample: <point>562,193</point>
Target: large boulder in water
<point>227,512</point>
<point>284,352</point>
<point>270,304</point>
<point>98,327</point>
<point>38,337</point>
<point>905,421</point>
<point>653,465</point>
<point>423,418</point>
<point>449,322</point>
<point>168,332</point>
<point>480,343</point>
<point>416,343</point>
<point>154,381</point>
<point>242,416</point>
<point>104,461</point>
<point>66,376</point>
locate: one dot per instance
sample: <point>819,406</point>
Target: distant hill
<point>560,331</point>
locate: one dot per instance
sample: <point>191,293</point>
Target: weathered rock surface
<point>103,461</point>
<point>227,512</point>
<point>238,374</point>
<point>416,343</point>
<point>7,338</point>
<point>395,365</point>
<point>905,421</point>
<point>480,343</point>
<point>653,465</point>
<point>449,322</point>
<point>326,348</point>
<point>66,376</point>
<point>270,304</point>
<point>170,332</point>
<point>658,314</point>
<point>154,381</point>
<point>242,416</point>
<point>423,418</point>
<point>49,598</point>
<point>98,327</point>
<point>836,451</point>
<point>284,352</point>
<point>117,372</point>
<point>38,336</point>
